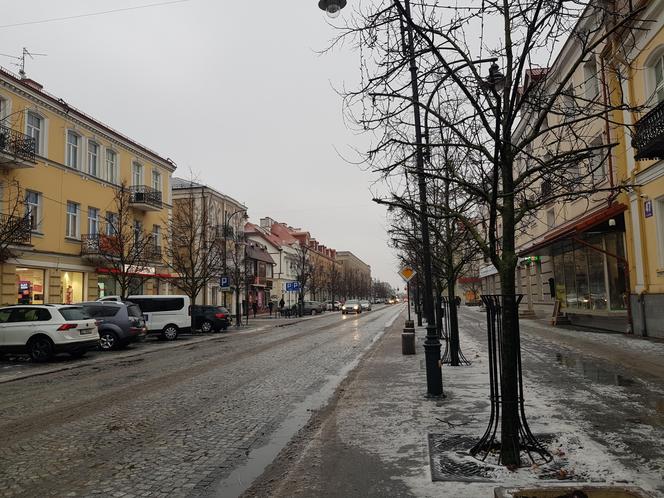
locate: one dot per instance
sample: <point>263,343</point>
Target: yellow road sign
<point>407,273</point>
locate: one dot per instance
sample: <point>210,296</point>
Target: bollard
<point>408,338</point>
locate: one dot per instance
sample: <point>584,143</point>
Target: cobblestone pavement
<point>171,423</point>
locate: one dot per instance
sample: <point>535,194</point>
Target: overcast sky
<point>232,90</point>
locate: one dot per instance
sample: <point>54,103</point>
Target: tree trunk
<point>454,325</point>
<point>439,310</point>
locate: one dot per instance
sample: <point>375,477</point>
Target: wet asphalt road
<point>198,420</point>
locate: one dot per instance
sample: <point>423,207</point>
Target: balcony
<point>649,135</point>
<point>16,230</point>
<point>145,198</point>
<point>16,149</point>
<point>153,253</point>
<point>98,246</point>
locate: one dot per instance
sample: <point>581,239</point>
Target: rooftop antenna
<point>21,71</point>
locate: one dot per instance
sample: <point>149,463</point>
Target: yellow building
<point>60,170</point>
<point>642,151</point>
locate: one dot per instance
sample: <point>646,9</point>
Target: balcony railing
<point>153,253</point>
<point>649,135</point>
<point>16,148</point>
<point>16,230</point>
<point>144,197</point>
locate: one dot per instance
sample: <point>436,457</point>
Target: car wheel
<point>40,349</point>
<point>170,332</point>
<point>108,340</point>
<point>206,326</point>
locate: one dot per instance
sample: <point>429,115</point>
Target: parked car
<point>366,305</point>
<point>210,318</point>
<point>332,305</point>
<point>167,316</point>
<point>47,329</point>
<point>351,306</point>
<point>312,307</point>
<point>119,323</point>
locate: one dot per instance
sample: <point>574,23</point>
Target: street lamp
<point>332,7</point>
<point>226,229</point>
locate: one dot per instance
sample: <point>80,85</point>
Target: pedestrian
<point>457,300</point>
<point>254,307</point>
<point>270,305</point>
<point>282,303</point>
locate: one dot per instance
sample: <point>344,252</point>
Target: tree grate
<point>450,460</point>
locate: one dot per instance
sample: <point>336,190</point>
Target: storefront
<point>590,272</point>
<point>30,285</point>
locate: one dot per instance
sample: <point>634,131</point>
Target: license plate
<point>86,331</point>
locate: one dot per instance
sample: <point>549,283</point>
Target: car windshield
<point>350,303</point>
<point>74,313</point>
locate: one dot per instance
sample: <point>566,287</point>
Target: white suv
<point>47,329</point>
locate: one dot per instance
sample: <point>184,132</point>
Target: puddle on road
<point>604,376</point>
<point>258,459</point>
<point>592,371</point>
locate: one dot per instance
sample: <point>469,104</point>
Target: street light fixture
<point>226,229</point>
<point>332,7</point>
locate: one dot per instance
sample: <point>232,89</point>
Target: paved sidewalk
<point>597,394</point>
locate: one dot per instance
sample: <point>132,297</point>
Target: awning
<point>575,227</point>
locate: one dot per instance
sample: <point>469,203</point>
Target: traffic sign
<point>225,283</point>
<point>407,273</point>
<point>292,286</point>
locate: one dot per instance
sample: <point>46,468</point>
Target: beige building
<point>356,275</point>
<point>60,170</point>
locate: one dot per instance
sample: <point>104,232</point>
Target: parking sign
<point>225,283</point>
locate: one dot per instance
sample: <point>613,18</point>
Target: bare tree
<point>524,133</point>
<point>195,249</point>
<point>237,267</point>
<point>304,267</point>
<point>16,220</point>
<point>123,245</point>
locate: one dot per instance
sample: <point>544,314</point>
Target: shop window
<point>106,286</point>
<point>596,280</point>
<point>71,283</point>
<point>581,277</point>
<point>29,286</point>
<point>616,271</point>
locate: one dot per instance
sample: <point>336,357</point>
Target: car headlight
<point>355,307</point>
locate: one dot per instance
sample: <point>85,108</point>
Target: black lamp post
<point>226,229</point>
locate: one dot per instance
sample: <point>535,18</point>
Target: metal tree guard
<point>447,358</point>
<point>488,443</point>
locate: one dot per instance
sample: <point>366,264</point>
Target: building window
<point>111,166</point>
<point>34,129</point>
<point>73,150</point>
<point>33,202</point>
<point>137,234</point>
<point>93,158</point>
<point>551,218</point>
<point>659,219</point>
<point>658,73</point>
<point>156,180</point>
<point>112,227</point>
<point>137,174</point>
<point>93,221</point>
<point>71,227</point>
<point>598,162</point>
<point>156,235</point>
<point>591,82</point>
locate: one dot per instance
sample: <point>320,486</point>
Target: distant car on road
<point>119,323</point>
<point>210,318</point>
<point>351,306</point>
<point>332,305</point>
<point>48,329</point>
<point>312,308</point>
<point>366,305</point>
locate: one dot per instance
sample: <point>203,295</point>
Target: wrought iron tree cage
<point>489,443</point>
<point>447,355</point>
